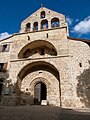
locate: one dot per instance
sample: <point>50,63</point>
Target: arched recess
<point>28,27</point>
<point>37,80</point>
<point>35,26</point>
<point>35,66</point>
<point>39,46</point>
<point>55,22</point>
<point>42,14</point>
<point>44,24</point>
<point>38,67</point>
<point>40,87</point>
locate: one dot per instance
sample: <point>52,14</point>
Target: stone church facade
<point>40,63</point>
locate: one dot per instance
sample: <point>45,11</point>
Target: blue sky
<point>77,12</point>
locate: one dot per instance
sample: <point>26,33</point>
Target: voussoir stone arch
<point>39,65</point>
<point>41,44</point>
<point>37,80</point>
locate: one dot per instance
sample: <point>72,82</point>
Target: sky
<point>77,12</point>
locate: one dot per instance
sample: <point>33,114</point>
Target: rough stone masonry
<point>42,63</point>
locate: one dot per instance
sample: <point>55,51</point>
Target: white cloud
<point>83,27</point>
<point>69,20</point>
<point>4,35</point>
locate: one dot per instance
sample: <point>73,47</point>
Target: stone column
<point>31,27</point>
<point>39,25</point>
<point>49,24</point>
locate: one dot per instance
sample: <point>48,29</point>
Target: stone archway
<point>41,72</point>
<point>39,88</point>
<point>41,47</point>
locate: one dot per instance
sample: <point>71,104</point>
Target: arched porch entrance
<point>42,81</point>
<point>40,92</point>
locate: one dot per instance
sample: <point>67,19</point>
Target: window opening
<point>47,35</point>
<point>35,26</point>
<point>43,14</point>
<point>80,64</point>
<point>7,48</point>
<point>28,37</point>
<point>44,24</point>
<point>3,67</point>
<point>4,48</point>
<point>55,23</point>
<point>28,25</point>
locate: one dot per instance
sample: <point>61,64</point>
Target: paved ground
<point>41,113</point>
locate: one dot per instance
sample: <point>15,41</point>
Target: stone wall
<point>66,74</point>
<point>49,15</point>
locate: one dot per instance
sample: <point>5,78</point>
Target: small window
<point>43,14</point>
<point>28,37</point>
<point>4,48</point>
<point>47,35</point>
<point>7,48</point>
<point>80,64</point>
<point>3,67</point>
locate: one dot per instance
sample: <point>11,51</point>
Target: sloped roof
<point>80,39</point>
